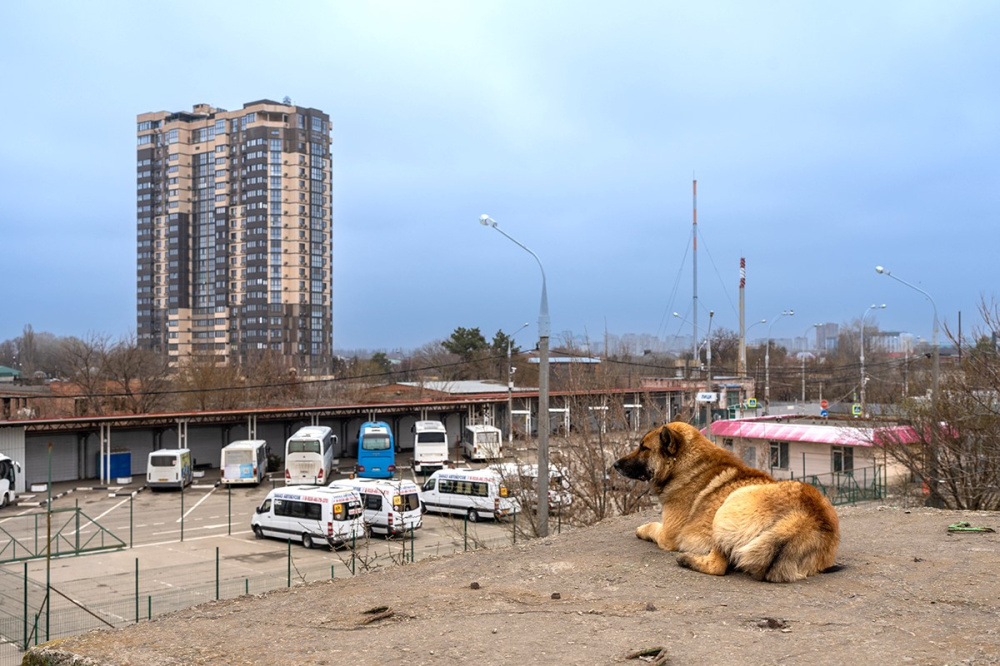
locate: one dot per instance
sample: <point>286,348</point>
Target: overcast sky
<point>826,139</point>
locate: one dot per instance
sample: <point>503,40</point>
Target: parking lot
<point>183,548</point>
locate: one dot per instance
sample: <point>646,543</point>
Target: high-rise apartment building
<point>234,234</point>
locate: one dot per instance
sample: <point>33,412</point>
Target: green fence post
<point>26,606</point>
<point>216,573</point>
<point>149,607</point>
<point>465,535</point>
<point>289,563</point>
<point>137,590</point>
<point>246,586</point>
<point>412,555</point>
<point>182,511</point>
<point>229,493</point>
<point>130,498</point>
<point>331,572</point>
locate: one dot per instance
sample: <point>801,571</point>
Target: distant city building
<point>827,336</point>
<point>234,234</point>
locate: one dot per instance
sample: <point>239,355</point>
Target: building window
<point>843,459</point>
<point>779,455</point>
<point>727,443</point>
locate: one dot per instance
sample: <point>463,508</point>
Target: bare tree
<point>140,375</point>
<point>953,440</point>
<point>205,384</point>
<point>82,362</point>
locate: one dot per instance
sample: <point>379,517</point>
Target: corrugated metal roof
<point>837,435</point>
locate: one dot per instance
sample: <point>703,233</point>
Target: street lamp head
<point>487,221</point>
<point>791,313</point>
<point>880,270</point>
<point>677,314</point>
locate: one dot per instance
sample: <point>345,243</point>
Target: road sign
<point>856,409</point>
<point>824,413</point>
<point>752,403</point>
<point>824,404</point>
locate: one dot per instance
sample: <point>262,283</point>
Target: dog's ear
<point>669,441</point>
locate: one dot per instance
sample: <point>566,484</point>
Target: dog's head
<point>656,456</point>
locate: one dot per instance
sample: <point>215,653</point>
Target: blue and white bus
<point>309,456</point>
<point>376,451</point>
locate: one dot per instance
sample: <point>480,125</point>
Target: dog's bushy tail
<point>790,549</point>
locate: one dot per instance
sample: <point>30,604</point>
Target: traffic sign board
<point>752,403</point>
<point>824,413</point>
<point>856,409</point>
<point>824,404</point>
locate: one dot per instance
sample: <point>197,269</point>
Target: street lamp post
<point>743,347</point>
<point>866,313</point>
<point>804,352</point>
<point>767,361</point>
<point>935,497</point>
<point>510,385</point>
<point>543,386</point>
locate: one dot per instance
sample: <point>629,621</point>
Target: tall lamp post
<point>743,347</point>
<point>863,316</point>
<point>935,497</point>
<point>510,385</point>
<point>804,351</point>
<point>767,361</point>
<point>543,386</point>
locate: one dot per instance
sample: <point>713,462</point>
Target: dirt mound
<point>910,592</point>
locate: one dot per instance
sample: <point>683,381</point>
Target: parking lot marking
<point>196,505</point>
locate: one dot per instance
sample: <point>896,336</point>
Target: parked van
<point>9,469</point>
<point>391,506</point>
<point>244,462</point>
<point>476,493</point>
<point>482,442</point>
<point>430,446</point>
<point>376,451</point>
<point>311,515</point>
<point>309,456</point>
<point>169,468</point>
<point>521,480</point>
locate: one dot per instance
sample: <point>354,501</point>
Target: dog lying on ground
<point>719,513</point>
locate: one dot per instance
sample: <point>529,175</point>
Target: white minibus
<point>309,456</point>
<point>9,469</point>
<point>392,506</point>
<point>430,446</point>
<point>482,442</point>
<point>311,515</point>
<point>474,493</point>
<point>521,480</point>
<point>244,462</point>
<point>169,468</point>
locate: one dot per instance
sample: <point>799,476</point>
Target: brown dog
<point>720,513</point>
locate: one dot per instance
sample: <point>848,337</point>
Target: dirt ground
<point>911,592</point>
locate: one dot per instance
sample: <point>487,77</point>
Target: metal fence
<point>858,485</point>
<point>32,613</point>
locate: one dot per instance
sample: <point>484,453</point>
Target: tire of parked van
<point>258,532</point>
<point>307,541</point>
<point>473,516</point>
<point>3,501</point>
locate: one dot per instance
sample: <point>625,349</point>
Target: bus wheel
<point>258,532</point>
<point>3,501</point>
<point>307,541</point>
<point>473,516</point>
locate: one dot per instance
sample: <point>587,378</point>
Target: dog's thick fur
<point>720,513</point>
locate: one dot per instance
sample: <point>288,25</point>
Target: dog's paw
<point>648,531</point>
<point>685,560</point>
